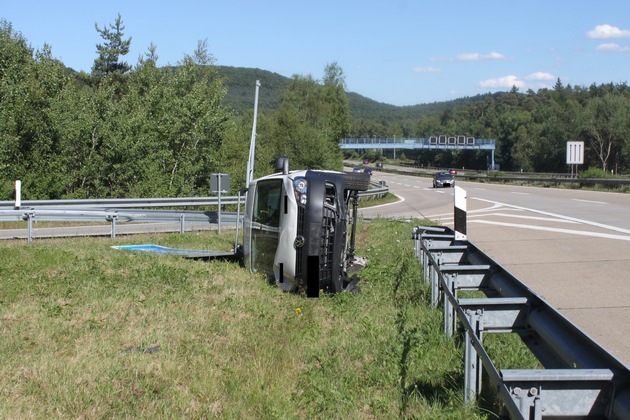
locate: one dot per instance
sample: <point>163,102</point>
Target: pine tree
<point>109,53</point>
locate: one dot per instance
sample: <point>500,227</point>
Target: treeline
<point>531,129</point>
<point>144,130</point>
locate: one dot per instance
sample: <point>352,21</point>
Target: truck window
<point>266,221</point>
<point>268,201</point>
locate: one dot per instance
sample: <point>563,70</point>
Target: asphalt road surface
<point>571,247</point>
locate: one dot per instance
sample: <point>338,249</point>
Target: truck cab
<point>296,228</point>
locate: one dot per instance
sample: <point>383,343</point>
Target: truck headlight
<point>300,186</point>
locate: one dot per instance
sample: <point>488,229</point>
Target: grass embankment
<point>92,332</point>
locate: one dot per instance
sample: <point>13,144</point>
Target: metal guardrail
<point>580,379</point>
<point>124,203</point>
<point>551,178</point>
<point>117,210</point>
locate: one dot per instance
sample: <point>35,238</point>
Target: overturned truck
<point>299,228</point>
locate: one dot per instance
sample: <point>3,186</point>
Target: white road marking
<point>476,214</point>
<point>588,201</point>
<point>548,229</point>
<point>542,219</point>
<point>559,216</point>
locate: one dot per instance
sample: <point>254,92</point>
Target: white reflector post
<point>460,214</point>
<point>18,194</point>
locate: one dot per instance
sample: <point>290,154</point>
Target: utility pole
<point>252,143</point>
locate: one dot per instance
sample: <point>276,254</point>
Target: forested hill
<point>240,83</point>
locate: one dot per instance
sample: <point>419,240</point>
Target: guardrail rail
<point>115,210</point>
<point>579,378</point>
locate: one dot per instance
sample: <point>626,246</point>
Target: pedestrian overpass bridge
<point>436,142</point>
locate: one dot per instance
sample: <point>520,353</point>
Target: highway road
<point>571,247</point>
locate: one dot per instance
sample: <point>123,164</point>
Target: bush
<point>595,173</point>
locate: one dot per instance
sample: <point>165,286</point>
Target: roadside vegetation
<point>89,331</point>
<point>148,130</point>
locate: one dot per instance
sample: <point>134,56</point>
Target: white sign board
<point>220,183</point>
<point>575,152</point>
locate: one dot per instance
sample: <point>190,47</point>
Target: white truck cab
<point>296,227</point>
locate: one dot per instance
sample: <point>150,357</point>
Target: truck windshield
<point>267,204</point>
<point>266,220</point>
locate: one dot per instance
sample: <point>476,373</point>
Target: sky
<point>399,52</point>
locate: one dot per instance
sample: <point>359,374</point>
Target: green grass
<point>75,316</point>
<point>369,201</point>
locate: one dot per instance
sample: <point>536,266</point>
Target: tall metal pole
<point>219,212</point>
<point>252,143</point>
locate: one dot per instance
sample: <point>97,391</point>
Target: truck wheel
<point>357,181</point>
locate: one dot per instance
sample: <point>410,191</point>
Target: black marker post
<point>460,214</point>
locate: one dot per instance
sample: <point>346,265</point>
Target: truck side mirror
<point>282,164</point>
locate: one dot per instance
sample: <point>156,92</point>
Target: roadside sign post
<point>219,183</point>
<point>575,155</point>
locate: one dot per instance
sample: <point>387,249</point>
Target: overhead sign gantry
<point>434,142</point>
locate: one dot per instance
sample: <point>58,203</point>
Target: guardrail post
<point>219,209</point>
<point>472,371</point>
<point>29,216</point>
<point>112,218</point>
<point>182,218</point>
<point>426,266</point>
<point>435,284</point>
<point>449,310</point>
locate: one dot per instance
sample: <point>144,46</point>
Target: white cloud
<point>502,82</point>
<point>607,31</point>
<point>426,70</point>
<point>612,47</point>
<point>539,75</point>
<point>478,56</point>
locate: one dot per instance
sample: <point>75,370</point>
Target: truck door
<point>265,222</point>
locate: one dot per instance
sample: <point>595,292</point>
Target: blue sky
<point>400,52</point>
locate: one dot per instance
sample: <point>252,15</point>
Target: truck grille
<point>300,232</point>
<point>327,246</point>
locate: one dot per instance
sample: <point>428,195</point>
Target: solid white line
<point>543,219</point>
<point>400,200</point>
<point>548,229</point>
<point>478,215</point>
<point>586,222</point>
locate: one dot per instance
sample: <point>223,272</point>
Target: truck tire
<point>356,181</point>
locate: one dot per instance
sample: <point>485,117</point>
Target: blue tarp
<point>188,253</point>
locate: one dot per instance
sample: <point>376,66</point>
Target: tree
<point>110,52</point>
<point>606,124</point>
<point>201,55</point>
<point>150,56</point>
<point>29,145</point>
<point>334,95</point>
